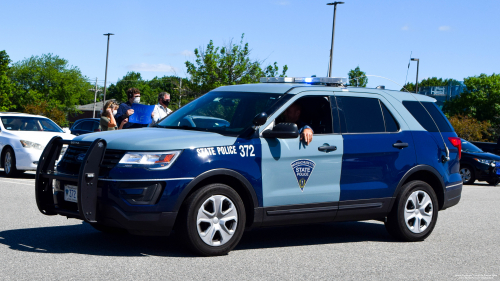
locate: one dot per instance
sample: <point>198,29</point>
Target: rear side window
<point>417,110</point>
<point>391,125</point>
<point>360,115</point>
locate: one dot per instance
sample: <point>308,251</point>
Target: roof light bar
<point>307,80</point>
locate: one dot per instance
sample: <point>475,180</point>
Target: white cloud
<point>160,67</point>
<point>405,28</point>
<point>444,28</point>
<point>187,53</point>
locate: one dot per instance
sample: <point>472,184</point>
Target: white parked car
<point>23,138</point>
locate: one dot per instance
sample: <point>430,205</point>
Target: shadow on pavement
<point>26,175</point>
<point>83,239</point>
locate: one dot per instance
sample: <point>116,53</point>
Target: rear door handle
<point>327,148</point>
<point>400,145</point>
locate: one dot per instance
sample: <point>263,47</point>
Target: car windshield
<point>226,113</point>
<point>14,123</point>
<point>469,147</point>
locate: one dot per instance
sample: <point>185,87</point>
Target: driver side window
<point>312,111</point>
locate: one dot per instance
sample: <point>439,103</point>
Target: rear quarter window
<point>422,115</point>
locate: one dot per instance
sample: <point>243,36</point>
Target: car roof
<point>282,88</point>
<point>19,114</point>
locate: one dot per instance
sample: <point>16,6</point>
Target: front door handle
<point>400,145</point>
<point>327,148</point>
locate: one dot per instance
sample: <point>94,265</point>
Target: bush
<point>48,110</point>
<point>470,128</point>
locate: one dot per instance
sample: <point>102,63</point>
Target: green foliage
<point>470,128</point>
<point>357,77</point>
<point>6,85</point>
<point>48,109</point>
<point>226,65</point>
<point>431,82</point>
<point>49,78</point>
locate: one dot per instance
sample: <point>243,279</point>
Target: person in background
<point>125,109</point>
<point>161,110</point>
<point>108,122</point>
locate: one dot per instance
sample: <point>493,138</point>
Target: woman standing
<point>107,121</point>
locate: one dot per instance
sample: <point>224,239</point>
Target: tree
<point>469,128</point>
<point>226,65</point>
<point>6,85</point>
<point>430,82</point>
<point>357,77</point>
<point>49,78</point>
<point>48,110</point>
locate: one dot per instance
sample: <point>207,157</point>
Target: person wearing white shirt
<point>161,110</point>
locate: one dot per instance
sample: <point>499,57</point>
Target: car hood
<point>482,155</point>
<point>155,139</point>
<point>41,137</point>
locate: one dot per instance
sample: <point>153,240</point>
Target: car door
<point>294,173</point>
<point>378,147</point>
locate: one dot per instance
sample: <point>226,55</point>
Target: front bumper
<point>93,206</point>
<point>27,158</point>
<point>485,172</point>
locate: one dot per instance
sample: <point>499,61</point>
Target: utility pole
<point>95,90</point>
<point>180,92</point>
<point>333,35</point>
<point>106,73</point>
<point>416,83</point>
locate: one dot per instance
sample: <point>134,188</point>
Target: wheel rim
<point>466,174</point>
<point>217,220</point>
<point>8,163</point>
<point>418,211</point>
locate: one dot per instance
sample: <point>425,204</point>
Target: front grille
<point>72,160</point>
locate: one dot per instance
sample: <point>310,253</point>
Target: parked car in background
<point>23,138</point>
<point>490,147</point>
<point>477,164</point>
<point>85,126</point>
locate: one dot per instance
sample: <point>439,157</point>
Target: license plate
<point>70,193</point>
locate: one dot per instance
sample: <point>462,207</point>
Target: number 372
<point>246,150</point>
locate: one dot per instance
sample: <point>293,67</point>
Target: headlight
<point>484,161</point>
<point>149,160</point>
<point>29,144</point>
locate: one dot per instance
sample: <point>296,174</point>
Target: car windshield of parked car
<point>15,123</point>
<point>226,113</point>
<point>469,147</point>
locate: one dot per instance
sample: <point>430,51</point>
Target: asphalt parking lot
<point>464,246</point>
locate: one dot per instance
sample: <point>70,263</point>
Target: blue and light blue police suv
<point>227,162</point>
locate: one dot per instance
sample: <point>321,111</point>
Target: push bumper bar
<point>86,180</point>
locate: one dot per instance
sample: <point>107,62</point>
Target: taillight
<point>457,142</point>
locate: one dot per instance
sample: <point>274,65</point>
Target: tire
<point>108,229</point>
<point>9,163</point>
<point>493,182</point>
<point>414,213</point>
<point>209,232</point>
<point>467,174</point>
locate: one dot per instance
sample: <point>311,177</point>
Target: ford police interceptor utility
<point>227,162</point>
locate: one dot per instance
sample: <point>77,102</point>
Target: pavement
<point>463,246</point>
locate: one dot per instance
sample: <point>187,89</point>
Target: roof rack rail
<point>329,81</point>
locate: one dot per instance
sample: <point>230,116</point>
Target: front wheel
<point>213,220</point>
<point>9,163</point>
<point>467,175</point>
<point>414,213</point>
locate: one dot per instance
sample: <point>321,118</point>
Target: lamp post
<point>333,35</point>
<point>416,84</point>
<point>106,74</point>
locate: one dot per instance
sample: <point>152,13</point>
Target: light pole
<point>333,35</point>
<point>416,84</point>
<point>95,90</point>
<point>106,74</point>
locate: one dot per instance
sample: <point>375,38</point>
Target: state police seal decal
<point>302,169</point>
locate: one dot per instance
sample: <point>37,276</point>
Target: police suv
<point>227,162</point>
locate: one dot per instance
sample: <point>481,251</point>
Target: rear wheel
<point>9,163</point>
<point>212,220</point>
<point>467,174</point>
<point>414,214</point>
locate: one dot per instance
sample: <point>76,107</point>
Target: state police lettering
<point>245,151</point>
<point>302,169</point>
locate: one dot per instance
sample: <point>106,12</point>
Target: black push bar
<point>86,180</point>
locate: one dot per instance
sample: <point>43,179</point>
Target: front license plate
<point>70,193</point>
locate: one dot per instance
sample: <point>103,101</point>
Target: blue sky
<point>452,39</point>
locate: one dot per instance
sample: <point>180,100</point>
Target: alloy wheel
<point>8,162</point>
<point>466,175</point>
<point>217,220</point>
<point>418,211</point>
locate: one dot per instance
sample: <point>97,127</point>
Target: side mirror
<point>282,131</point>
<point>260,119</point>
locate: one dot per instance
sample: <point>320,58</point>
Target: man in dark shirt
<point>292,115</point>
<point>125,110</point>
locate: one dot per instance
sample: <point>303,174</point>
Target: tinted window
<point>87,126</point>
<point>29,124</point>
<point>422,116</point>
<point>360,115</point>
<point>391,125</point>
<point>469,147</point>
